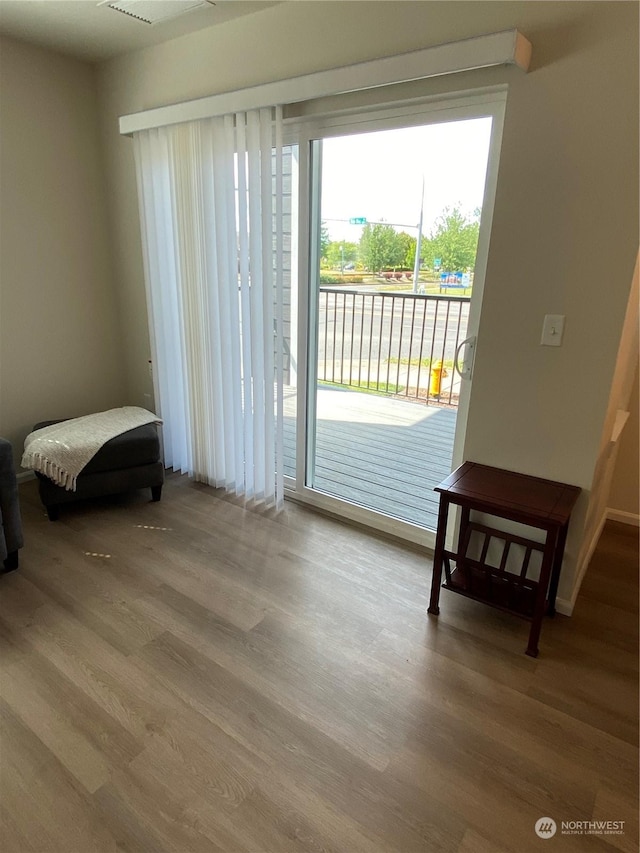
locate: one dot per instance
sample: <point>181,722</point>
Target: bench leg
<point>11,562</point>
<point>53,511</point>
<point>156,493</point>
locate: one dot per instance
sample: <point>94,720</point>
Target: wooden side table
<point>542,504</point>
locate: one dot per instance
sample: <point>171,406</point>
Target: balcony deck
<point>380,452</point>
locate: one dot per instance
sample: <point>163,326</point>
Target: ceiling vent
<point>154,11</point>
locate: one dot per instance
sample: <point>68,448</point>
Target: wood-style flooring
<point>192,676</point>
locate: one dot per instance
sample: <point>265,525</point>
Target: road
<point>373,332</point>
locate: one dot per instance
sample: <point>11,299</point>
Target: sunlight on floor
<point>356,407</point>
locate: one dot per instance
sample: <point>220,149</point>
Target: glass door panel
<point>396,218</point>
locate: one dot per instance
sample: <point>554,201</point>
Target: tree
<point>454,240</point>
<point>380,247</point>
<point>324,240</point>
<point>408,244</point>
<point>341,252</point>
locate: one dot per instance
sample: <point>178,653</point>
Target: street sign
<point>451,279</point>
<point>358,220</point>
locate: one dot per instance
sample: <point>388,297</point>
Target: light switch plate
<point>552,330</point>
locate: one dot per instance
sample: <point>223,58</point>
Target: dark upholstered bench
<point>10,522</point>
<point>129,461</point>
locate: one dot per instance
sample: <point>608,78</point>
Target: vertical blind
<point>210,195</point>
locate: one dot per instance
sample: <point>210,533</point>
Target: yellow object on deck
<point>437,372</point>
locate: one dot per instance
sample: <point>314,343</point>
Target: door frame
<point>303,132</point>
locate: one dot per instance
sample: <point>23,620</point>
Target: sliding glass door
<point>393,219</point>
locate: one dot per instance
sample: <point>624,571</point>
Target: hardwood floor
<point>190,676</point>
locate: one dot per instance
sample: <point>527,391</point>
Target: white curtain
<point>210,196</point>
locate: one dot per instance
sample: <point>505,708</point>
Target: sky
<point>379,175</point>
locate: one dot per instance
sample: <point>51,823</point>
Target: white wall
<point>624,497</point>
<point>60,353</point>
<point>620,395</point>
<point>565,229</point>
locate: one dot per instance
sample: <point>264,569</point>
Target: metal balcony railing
<point>391,343</point>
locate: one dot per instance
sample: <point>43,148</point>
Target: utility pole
<point>416,265</point>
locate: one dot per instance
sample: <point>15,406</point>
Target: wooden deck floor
<point>378,452</point>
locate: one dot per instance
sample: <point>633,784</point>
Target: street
<point>365,337</point>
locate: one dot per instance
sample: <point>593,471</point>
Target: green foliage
<point>380,247</point>
<point>325,240</point>
<point>341,278</point>
<point>365,387</point>
<point>352,277</point>
<point>454,240</point>
<point>423,362</point>
<point>408,244</point>
<point>341,252</point>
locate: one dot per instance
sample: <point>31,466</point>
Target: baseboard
<point>564,606</point>
<point>624,517</point>
<point>24,476</point>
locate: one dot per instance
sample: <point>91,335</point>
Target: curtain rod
<point>508,47</point>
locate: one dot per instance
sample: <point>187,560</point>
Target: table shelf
<point>493,585</point>
<point>537,503</point>
<point>470,581</point>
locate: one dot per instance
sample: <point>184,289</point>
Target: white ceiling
<point>93,32</point>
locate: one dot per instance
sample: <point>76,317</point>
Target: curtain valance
<point>509,47</point>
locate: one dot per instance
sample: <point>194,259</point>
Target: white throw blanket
<point>61,451</point>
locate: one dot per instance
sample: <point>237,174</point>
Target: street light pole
<point>416,265</point>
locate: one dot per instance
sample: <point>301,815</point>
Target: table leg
<point>465,516</point>
<point>541,594</point>
<point>555,572</point>
<point>436,579</point>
